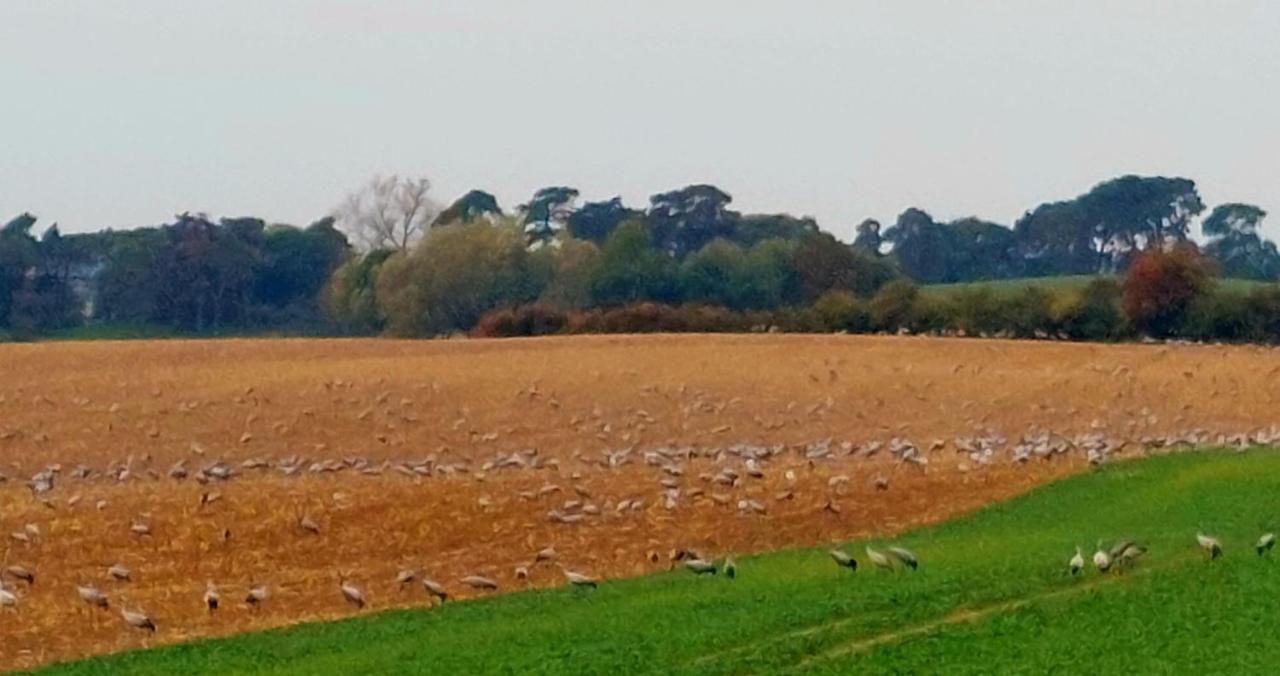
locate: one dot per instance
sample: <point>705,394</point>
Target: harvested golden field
<point>198,461</point>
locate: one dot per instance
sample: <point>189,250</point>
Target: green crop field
<point>992,595</point>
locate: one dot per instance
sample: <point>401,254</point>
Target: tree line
<point>391,259</point>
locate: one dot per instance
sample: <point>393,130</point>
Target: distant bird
<point>406,577</point>
<point>350,592</point>
<point>730,568</point>
<point>435,589</point>
<point>1118,549</point>
<point>139,528</point>
<point>138,620</point>
<point>120,572</point>
<point>1101,559</point>
<point>7,598</point>
<point>579,580</point>
<point>479,582</point>
<point>1129,554</point>
<point>547,554</point>
<point>92,596</point>
<point>879,559</point>
<point>1266,543</point>
<point>1077,562</point>
<point>844,560</point>
<point>257,595</point>
<point>306,523</point>
<point>1210,545</point>
<point>700,567</point>
<point>907,558</point>
<point>21,573</point>
<point>210,596</point>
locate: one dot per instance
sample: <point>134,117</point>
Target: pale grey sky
<point>122,113</point>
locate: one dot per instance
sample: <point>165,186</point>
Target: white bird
<point>1076,562</point>
<point>700,567</point>
<point>435,589</point>
<point>92,595</point>
<point>120,572</point>
<point>730,568</point>
<point>843,560</point>
<point>879,559</point>
<point>1266,543</point>
<point>478,582</point>
<point>579,580</point>
<point>907,558</point>
<point>257,595</point>
<point>138,620</point>
<point>7,598</point>
<point>1101,559</point>
<point>405,577</point>
<point>350,592</point>
<point>1210,545</point>
<point>211,597</point>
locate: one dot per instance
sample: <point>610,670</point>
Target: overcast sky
<point>125,113</point>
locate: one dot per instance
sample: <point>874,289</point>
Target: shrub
<point>1161,286</point>
<point>842,311</point>
<point>537,319</point>
<point>1223,315</point>
<point>928,314</point>
<point>1029,313</point>
<point>893,306</point>
<point>1094,313</point>
<point>976,311</point>
<point>1264,305</point>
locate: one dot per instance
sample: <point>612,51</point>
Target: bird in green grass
<point>1101,559</point>
<point>905,556</point>
<point>1118,549</point>
<point>700,567</point>
<point>1077,562</point>
<point>879,559</point>
<point>730,568</point>
<point>1130,554</point>
<point>1209,544</point>
<point>578,579</point>
<point>843,559</point>
<point>1266,543</point>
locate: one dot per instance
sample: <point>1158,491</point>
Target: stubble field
<point>458,458</point>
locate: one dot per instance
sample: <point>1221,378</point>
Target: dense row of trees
<point>191,275</point>
<point>419,267</point>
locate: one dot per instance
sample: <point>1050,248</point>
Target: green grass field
<point>992,595</point>
<point>1061,284</point>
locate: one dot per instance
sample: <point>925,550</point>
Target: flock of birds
<point>1125,553</point>
<point>729,467</point>
<point>736,463</point>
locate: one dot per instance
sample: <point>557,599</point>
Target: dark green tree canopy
<point>1235,243</point>
<point>868,236</point>
<point>471,206</point>
<point>595,221</point>
<point>685,220</point>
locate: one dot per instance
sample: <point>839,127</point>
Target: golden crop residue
<point>366,458</point>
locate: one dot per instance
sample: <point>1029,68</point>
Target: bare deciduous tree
<point>389,212</point>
